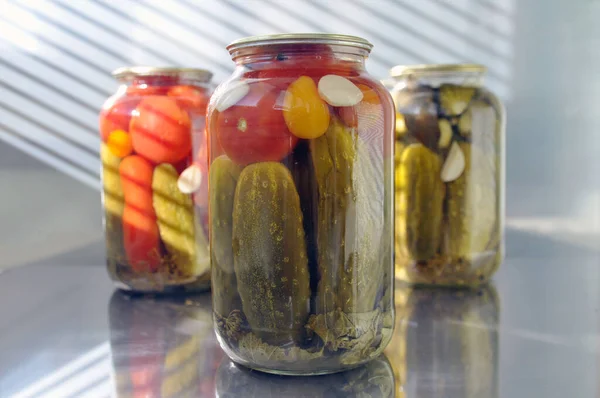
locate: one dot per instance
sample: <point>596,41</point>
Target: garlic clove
<point>454,165</point>
<point>190,179</point>
<point>233,95</point>
<point>445,133</point>
<point>339,91</point>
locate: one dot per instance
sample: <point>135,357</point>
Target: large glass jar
<point>301,205</point>
<point>449,182</point>
<point>155,179</point>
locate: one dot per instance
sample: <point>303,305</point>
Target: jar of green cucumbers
<point>449,180</point>
<point>300,204</point>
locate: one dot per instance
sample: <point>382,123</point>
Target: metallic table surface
<point>535,332</point>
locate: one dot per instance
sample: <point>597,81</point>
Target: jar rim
<point>405,70</point>
<point>129,73</point>
<point>299,38</point>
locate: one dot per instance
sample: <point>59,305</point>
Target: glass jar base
<point>296,373</point>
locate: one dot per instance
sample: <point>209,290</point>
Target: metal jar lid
<point>192,74</point>
<point>405,70</point>
<point>299,38</point>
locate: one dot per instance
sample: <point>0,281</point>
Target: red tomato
<point>161,130</point>
<point>189,97</point>
<point>254,130</point>
<point>116,115</point>
<point>141,239</point>
<point>135,173</point>
<point>293,66</point>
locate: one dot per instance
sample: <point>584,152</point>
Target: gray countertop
<point>535,332</point>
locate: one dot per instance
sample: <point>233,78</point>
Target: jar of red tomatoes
<point>300,177</point>
<point>154,179</point>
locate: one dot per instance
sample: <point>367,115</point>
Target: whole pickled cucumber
<point>472,208</point>
<point>363,272</point>
<point>223,179</point>
<point>176,224</point>
<point>333,155</point>
<point>113,203</point>
<point>419,203</point>
<point>299,162</point>
<point>269,253</point>
<point>350,226</point>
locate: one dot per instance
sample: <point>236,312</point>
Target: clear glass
<point>155,184</point>
<point>449,181</point>
<point>446,341</point>
<point>301,210</point>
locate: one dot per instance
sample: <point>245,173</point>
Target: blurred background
<point>56,57</point>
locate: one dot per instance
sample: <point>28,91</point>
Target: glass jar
<point>449,182</point>
<point>162,347</point>
<point>373,380</point>
<point>300,203</point>
<point>154,178</point>
<point>445,342</point>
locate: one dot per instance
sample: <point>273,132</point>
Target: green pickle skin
<point>176,223</point>
<point>269,252</point>
<point>350,224</point>
<point>471,205</point>
<point>223,178</point>
<point>419,207</point>
<point>113,203</point>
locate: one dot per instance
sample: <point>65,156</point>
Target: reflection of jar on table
<point>449,175</point>
<point>163,347</point>
<point>374,380</point>
<point>155,182</point>
<point>445,342</point>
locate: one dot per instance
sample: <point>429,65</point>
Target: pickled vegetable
<point>471,206</point>
<point>223,177</point>
<point>419,198</point>
<point>160,130</point>
<point>114,203</point>
<point>175,216</point>
<point>454,99</point>
<point>305,113</point>
<point>269,253</point>
<point>254,130</point>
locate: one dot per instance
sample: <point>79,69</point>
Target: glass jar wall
<point>449,181</point>
<point>155,182</point>
<point>301,205</point>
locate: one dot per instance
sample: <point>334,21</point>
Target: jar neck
<point>436,79</point>
<point>309,55</point>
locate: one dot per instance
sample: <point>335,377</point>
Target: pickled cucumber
<point>223,178</point>
<point>269,253</point>
<point>363,270</point>
<point>419,203</point>
<point>177,225</point>
<point>454,100</point>
<point>113,202</point>
<point>472,206</point>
